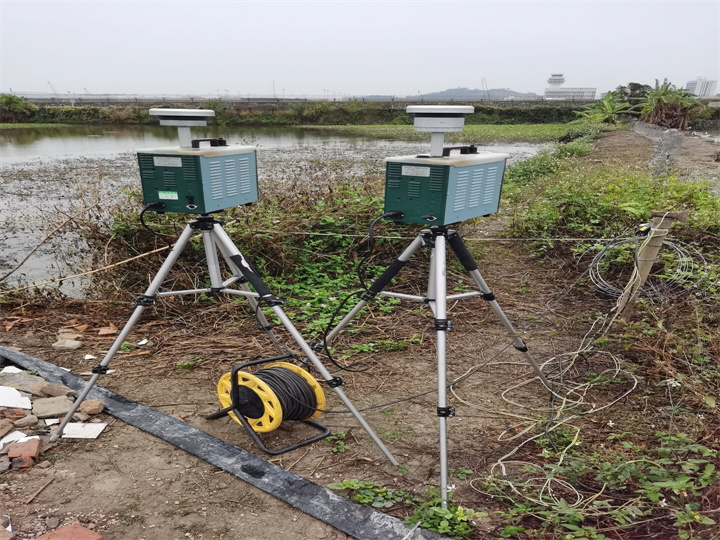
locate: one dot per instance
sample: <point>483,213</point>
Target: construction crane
<point>57,96</point>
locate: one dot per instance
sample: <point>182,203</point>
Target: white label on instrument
<point>168,195</point>
<point>409,170</point>
<point>160,161</point>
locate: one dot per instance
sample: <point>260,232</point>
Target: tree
<point>604,111</point>
<point>15,109</point>
<point>668,106</point>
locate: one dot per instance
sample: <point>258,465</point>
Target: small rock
<point>45,465</point>
<point>52,407</point>
<point>26,421</point>
<point>80,417</point>
<point>4,463</point>
<point>92,406</point>
<point>72,336</point>
<point>54,390</point>
<point>51,522</point>
<point>6,426</point>
<point>96,421</point>
<point>66,345</point>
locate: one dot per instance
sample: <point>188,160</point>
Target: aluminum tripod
<point>216,239</point>
<point>436,239</point>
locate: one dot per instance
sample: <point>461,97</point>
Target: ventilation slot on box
<point>244,180</point>
<point>169,180</point>
<point>231,178</point>
<point>461,191</point>
<point>491,181</point>
<point>437,177</point>
<point>476,187</point>
<point>216,180</point>
<point>189,169</point>
<point>147,167</point>
<point>414,189</point>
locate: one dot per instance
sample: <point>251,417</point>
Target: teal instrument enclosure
<point>443,190</point>
<point>199,180</point>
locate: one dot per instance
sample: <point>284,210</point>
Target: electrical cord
<point>362,265</point>
<point>154,205</point>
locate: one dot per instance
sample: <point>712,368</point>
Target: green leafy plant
<point>338,442</point>
<point>187,365</point>
<point>604,111</point>
<point>454,520</point>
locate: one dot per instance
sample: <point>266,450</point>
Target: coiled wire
<point>297,398</point>
<point>690,268</point>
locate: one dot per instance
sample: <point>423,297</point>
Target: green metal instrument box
<point>443,190</point>
<point>199,180</point>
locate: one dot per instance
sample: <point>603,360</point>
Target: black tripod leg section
<point>461,251</point>
<point>219,414</point>
<point>386,277</point>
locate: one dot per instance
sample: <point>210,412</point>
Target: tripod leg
<point>377,286</point>
<point>458,246</point>
<point>141,303</point>
<point>273,301</point>
<point>251,299</point>
<point>441,327</point>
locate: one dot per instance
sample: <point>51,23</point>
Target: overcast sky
<point>348,47</point>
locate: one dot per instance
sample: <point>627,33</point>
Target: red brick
<point>14,414</point>
<point>23,462</point>
<point>71,532</point>
<point>29,448</point>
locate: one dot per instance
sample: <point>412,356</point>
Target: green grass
<point>472,133</point>
<point>19,126</point>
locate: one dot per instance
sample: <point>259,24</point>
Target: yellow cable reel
<point>269,416</point>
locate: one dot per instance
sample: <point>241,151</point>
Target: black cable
<point>155,205</point>
<point>297,398</point>
<point>362,265</point>
<point>351,368</point>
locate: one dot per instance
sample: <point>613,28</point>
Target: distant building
<point>556,90</point>
<point>701,87</point>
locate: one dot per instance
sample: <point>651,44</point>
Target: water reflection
<point>54,142</point>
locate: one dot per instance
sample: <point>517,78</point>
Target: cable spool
<point>279,392</point>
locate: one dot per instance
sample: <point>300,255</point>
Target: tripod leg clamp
<point>100,369</point>
<point>489,296</point>
<point>335,382</point>
<point>145,300</point>
<point>521,348</point>
<point>446,412</point>
<point>443,325</point>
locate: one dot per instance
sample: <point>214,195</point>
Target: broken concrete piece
<point>33,384</point>
<point>75,430</point>
<point>12,437</point>
<point>80,417</point>
<point>52,421</point>
<point>45,465</point>
<point>51,407</point>
<point>92,406</point>
<point>11,369</point>
<point>71,532</point>
<point>54,390</point>
<point>29,448</point>
<point>108,331</point>
<point>11,397</point>
<point>4,463</point>
<point>66,345</point>
<point>6,426</point>
<point>26,421</point>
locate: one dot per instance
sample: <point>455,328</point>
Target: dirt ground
<point>130,485</point>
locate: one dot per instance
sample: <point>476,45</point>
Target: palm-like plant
<point>668,106</point>
<point>604,111</point>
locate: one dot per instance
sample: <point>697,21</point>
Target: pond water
<point>50,173</point>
